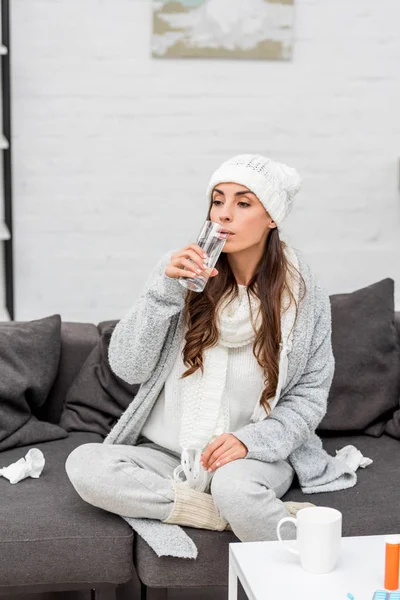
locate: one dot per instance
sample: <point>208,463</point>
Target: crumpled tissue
<point>353,457</point>
<point>30,466</point>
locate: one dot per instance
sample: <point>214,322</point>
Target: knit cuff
<point>243,436</point>
<point>195,509</point>
<point>164,289</point>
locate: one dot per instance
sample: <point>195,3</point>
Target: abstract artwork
<point>259,29</point>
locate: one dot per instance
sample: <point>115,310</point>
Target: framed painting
<point>254,29</point>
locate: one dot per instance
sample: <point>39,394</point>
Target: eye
<point>217,202</point>
<point>244,204</point>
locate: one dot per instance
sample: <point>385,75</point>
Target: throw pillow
<point>366,384</point>
<point>97,397</point>
<point>392,427</point>
<point>29,355</point>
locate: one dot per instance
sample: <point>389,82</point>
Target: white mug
<point>319,531</point>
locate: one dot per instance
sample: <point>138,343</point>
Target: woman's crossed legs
<point>137,481</point>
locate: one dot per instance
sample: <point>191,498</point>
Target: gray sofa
<point>50,539</point>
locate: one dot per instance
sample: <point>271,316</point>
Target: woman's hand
<point>188,262</point>
<point>221,451</point>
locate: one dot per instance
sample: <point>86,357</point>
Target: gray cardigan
<point>143,348</point>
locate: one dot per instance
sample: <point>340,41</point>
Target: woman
<point>234,380</point>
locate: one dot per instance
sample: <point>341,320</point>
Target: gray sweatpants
<point>136,481</point>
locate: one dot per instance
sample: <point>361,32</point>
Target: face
<point>240,212</point>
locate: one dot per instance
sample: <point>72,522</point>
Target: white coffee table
<point>268,572</point>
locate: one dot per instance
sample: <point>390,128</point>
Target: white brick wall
<point>113,149</point>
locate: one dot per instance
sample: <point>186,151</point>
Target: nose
<point>225,216</point>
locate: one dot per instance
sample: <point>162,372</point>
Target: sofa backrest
<point>78,340</point>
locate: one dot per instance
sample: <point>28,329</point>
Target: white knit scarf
<point>203,414</point>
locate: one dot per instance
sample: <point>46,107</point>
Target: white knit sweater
<point>243,387</point>
<point>242,391</point>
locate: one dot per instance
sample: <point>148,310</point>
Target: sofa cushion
<point>366,383</point>
<point>397,323</point>
<point>77,341</point>
<point>209,569</point>
<point>48,534</point>
<point>29,357</point>
<point>369,508</point>
<point>392,427</point>
<point>97,397</point>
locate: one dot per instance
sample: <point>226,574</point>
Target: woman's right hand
<point>188,262</point>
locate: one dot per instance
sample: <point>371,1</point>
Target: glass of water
<point>212,240</point>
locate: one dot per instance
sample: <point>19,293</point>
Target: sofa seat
<point>48,534</point>
<point>370,508</point>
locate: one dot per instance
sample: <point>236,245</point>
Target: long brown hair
<point>268,283</point>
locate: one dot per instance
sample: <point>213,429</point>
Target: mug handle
<point>278,531</point>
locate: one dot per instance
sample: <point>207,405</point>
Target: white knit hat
<point>275,184</point>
